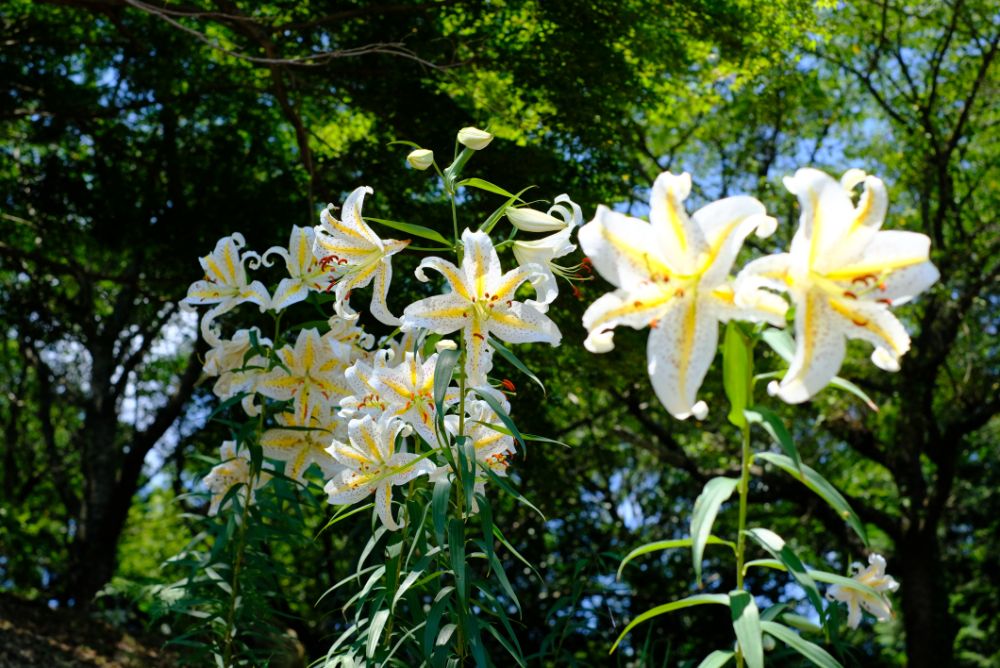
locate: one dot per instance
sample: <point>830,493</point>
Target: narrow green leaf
<point>818,484</point>
<point>441,600</point>
<point>776,545</point>
<point>817,575</point>
<point>439,508</point>
<point>814,653</point>
<point>482,184</point>
<point>410,228</point>
<point>716,659</point>
<point>776,429</point>
<point>375,631</point>
<point>737,372</point>
<point>502,414</point>
<point>706,507</point>
<point>851,388</point>
<point>697,599</point>
<point>456,550</point>
<point>443,371</point>
<point>659,545</point>
<point>513,359</point>
<point>342,514</point>
<point>746,624</point>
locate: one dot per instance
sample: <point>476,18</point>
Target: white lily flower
<point>481,303</point>
<point>357,256</point>
<point>493,448</point>
<point>301,443</point>
<point>673,275</point>
<point>842,273</point>
<point>227,355</point>
<point>474,138</point>
<point>407,392</point>
<point>542,252</point>
<point>312,375</point>
<point>420,158</point>
<point>228,360</point>
<point>234,470</point>
<point>305,272</point>
<point>364,398</point>
<point>875,577</point>
<point>372,465</point>
<point>225,284</point>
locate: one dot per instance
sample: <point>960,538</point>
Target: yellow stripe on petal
<point>640,257</point>
<point>856,271</point>
<point>860,319</point>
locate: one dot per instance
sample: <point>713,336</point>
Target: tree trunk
<point>930,627</point>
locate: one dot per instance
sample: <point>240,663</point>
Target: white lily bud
<point>420,158</point>
<point>445,344</point>
<point>530,220</point>
<point>474,138</point>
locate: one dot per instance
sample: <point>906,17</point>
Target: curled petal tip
<point>700,410</point>
<point>852,177</point>
<point>766,226</point>
<point>773,388</point>
<point>885,360</point>
<point>600,341</point>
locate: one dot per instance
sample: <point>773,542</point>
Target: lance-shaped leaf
<point>780,550</point>
<point>773,425</point>
<point>698,599</point>
<point>821,486</point>
<point>660,545</point>
<point>706,507</point>
<point>814,653</point>
<point>746,625</point>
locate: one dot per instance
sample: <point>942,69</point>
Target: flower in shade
<point>225,284</point>
<point>233,470</point>
<point>672,274</point>
<point>843,274</point>
<point>373,465</point>
<point>877,603</point>
<point>356,256</point>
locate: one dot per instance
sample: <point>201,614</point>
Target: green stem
<point>744,489</point>
<point>231,615</point>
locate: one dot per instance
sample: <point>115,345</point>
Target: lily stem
<point>743,488</point>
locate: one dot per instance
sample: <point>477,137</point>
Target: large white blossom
<point>843,274</point>
<point>672,274</point>
<point>233,470</point>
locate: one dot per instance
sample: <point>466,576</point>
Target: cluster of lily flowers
<point>349,407</point>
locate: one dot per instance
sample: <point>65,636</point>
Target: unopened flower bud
<point>420,158</point>
<point>530,220</point>
<point>474,138</point>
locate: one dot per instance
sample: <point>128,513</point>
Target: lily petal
<point>620,249</point>
<point>681,240</point>
<point>819,351</point>
<point>680,349</point>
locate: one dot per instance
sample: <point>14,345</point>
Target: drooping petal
<point>383,506</point>
<point>523,323</point>
<point>635,308</point>
<point>621,250</point>
<point>290,291</point>
<point>441,314</point>
<point>680,239</point>
<point>819,351</point>
<point>380,291</point>
<point>873,322</point>
<point>408,466</point>
<point>895,262</point>
<point>680,350</point>
<point>478,354</point>
<point>754,305</point>
<point>506,286</point>
<point>348,486</point>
